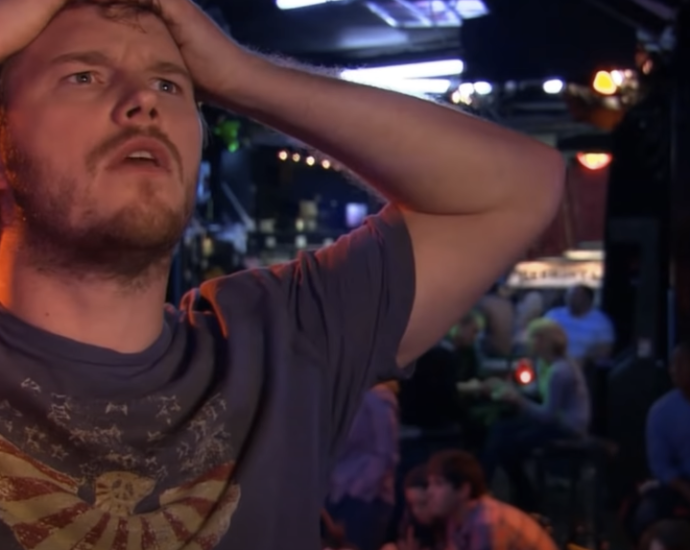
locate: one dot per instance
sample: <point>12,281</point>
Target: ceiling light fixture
<point>428,69</point>
<point>296,4</point>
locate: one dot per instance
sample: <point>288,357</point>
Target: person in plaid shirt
<point>457,492</point>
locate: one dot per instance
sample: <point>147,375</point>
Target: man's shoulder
<point>669,403</point>
<point>512,526</point>
<point>557,313</point>
<point>236,291</point>
<point>598,316</point>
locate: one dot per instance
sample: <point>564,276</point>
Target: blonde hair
<point>552,332</point>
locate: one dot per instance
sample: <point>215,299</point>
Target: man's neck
<point>90,311</point>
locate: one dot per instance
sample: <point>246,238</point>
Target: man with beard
<point>127,425</point>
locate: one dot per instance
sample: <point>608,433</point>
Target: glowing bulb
<point>296,157</point>
<point>594,161</point>
<point>483,88</point>
<point>326,164</point>
<point>283,155</point>
<point>311,161</point>
<point>525,377</point>
<point>554,86</point>
<point>466,89</point>
<point>604,83</point>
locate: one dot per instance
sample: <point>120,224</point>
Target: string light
<point>310,160</point>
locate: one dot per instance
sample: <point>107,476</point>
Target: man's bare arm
<point>474,195</point>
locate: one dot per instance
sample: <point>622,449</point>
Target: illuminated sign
<point>556,274</point>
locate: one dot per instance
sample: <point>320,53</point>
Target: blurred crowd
<point>508,381</point>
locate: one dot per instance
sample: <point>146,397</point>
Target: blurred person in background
<point>563,413</point>
<point>668,448</point>
<point>428,400</point>
<point>590,332</point>
<point>499,315</point>
<point>474,520</point>
<point>418,529</point>
<point>529,307</point>
<point>469,367</point>
<point>667,535</point>
<point>463,337</point>
<point>362,493</point>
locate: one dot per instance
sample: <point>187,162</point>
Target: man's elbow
<point>538,182</point>
<point>548,183</point>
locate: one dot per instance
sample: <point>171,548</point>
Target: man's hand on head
<point>211,56</point>
<point>21,21</point>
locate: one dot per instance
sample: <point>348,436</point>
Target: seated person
<point>463,338</point>
<point>668,447</point>
<point>667,535</point>
<point>474,520</point>
<point>590,332</point>
<point>498,312</point>
<point>429,400</point>
<point>418,528</point>
<point>563,413</point>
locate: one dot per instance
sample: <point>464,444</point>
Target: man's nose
<point>138,106</point>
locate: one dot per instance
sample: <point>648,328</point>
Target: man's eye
<point>168,87</point>
<point>81,78</point>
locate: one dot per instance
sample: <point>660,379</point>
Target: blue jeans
<point>365,523</point>
<point>512,441</point>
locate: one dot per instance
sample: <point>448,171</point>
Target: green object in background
<point>229,132</point>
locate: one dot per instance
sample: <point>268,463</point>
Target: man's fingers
<point>21,21</point>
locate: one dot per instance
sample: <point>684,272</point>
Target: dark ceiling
<point>520,39</point>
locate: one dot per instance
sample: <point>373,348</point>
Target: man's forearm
<point>427,157</point>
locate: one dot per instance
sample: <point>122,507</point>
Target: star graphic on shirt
<point>116,408</point>
<point>5,405</point>
<point>152,437</point>
<point>199,427</point>
<point>30,385</point>
<point>34,438</point>
<point>166,407</point>
<point>58,452</point>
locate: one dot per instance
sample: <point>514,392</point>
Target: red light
<point>525,377</point>
<point>524,373</point>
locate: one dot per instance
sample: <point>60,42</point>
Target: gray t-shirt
<point>222,434</point>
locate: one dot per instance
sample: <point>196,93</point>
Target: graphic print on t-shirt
<point>111,475</point>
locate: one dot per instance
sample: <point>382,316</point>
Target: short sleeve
<point>351,303</point>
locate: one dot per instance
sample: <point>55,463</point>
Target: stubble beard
<point>131,248</point>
